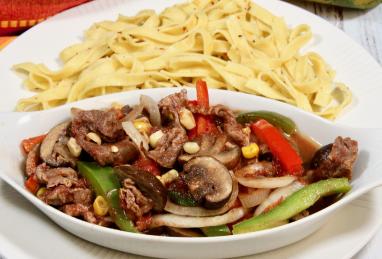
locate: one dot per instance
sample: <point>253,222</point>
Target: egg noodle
<point>235,45</point>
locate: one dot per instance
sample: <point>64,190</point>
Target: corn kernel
<point>100,206</point>
<point>40,191</point>
<point>114,149</point>
<point>246,130</point>
<point>155,137</point>
<point>142,125</point>
<point>250,151</point>
<point>94,137</point>
<point>169,177</point>
<point>187,119</point>
<point>191,147</point>
<point>73,147</point>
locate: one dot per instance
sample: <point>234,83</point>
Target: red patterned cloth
<point>18,15</point>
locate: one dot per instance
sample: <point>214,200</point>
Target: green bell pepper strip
<point>222,230</point>
<point>274,118</point>
<point>182,199</point>
<point>293,204</point>
<point>359,4</point>
<point>105,183</point>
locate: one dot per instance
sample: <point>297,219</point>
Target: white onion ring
<point>134,113</point>
<point>202,212</point>
<point>178,221</point>
<point>134,135</point>
<point>254,197</point>
<point>266,182</point>
<point>152,108</point>
<point>277,196</point>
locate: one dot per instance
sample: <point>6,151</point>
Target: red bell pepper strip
<point>148,165</point>
<point>29,143</point>
<point>202,93</point>
<point>32,184</point>
<point>204,124</point>
<point>287,156</point>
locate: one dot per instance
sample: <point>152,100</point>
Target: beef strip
<point>104,123</point>
<point>85,212</point>
<point>109,128</point>
<point>103,154</point>
<point>61,195</point>
<point>339,161</point>
<point>133,202</point>
<point>58,176</point>
<point>173,103</point>
<point>230,126</point>
<point>33,159</point>
<point>170,145</point>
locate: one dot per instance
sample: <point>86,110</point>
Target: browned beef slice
<point>79,210</point>
<point>55,176</point>
<point>107,125</point>
<point>340,160</point>
<point>230,125</point>
<point>173,103</point>
<point>103,154</point>
<point>133,202</point>
<point>169,146</point>
<point>62,195</point>
<point>104,123</point>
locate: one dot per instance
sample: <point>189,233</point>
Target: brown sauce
<point>306,146</point>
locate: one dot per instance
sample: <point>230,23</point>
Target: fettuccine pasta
<point>231,44</point>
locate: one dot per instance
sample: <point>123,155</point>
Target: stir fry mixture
<point>184,167</point>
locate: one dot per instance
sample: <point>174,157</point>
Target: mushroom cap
<point>52,151</point>
<point>208,180</point>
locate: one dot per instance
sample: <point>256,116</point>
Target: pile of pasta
<point>232,44</point>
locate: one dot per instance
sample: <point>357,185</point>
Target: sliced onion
<point>152,108</point>
<point>178,221</point>
<point>202,212</point>
<point>254,197</point>
<point>266,182</point>
<point>278,196</point>
<point>134,135</point>
<point>135,112</point>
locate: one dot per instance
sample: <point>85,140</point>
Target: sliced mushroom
<point>147,183</point>
<point>214,147</point>
<point>54,150</point>
<point>209,181</point>
<point>202,212</point>
<point>32,160</point>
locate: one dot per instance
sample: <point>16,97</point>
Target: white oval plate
<point>353,65</point>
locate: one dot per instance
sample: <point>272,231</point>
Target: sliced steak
<point>169,146</point>
<point>104,123</point>
<point>173,103</point>
<point>61,195</point>
<point>133,202</point>
<point>230,126</point>
<point>85,212</point>
<point>335,160</point>
<point>57,176</point>
<point>118,153</point>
